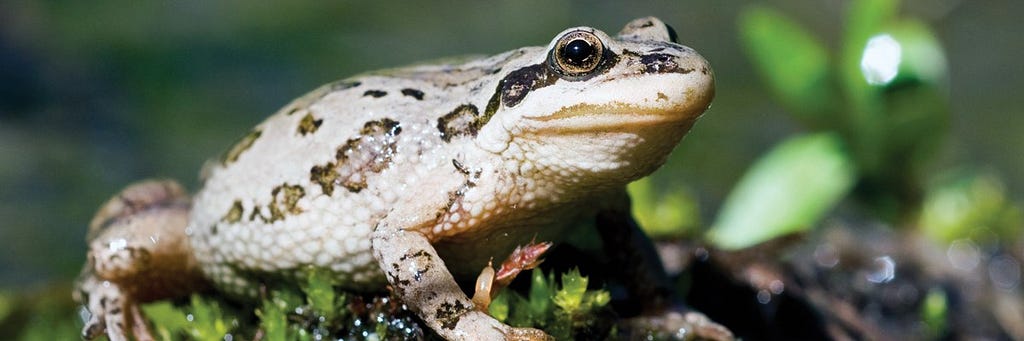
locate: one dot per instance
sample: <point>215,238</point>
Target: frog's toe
<point>527,334</point>
<point>93,328</point>
<point>109,309</point>
<point>677,325</point>
<point>705,328</point>
<point>106,310</point>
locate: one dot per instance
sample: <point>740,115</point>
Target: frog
<point>412,179</point>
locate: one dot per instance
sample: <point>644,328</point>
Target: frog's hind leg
<point>138,252</point>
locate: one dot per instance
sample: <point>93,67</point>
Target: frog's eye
<point>577,53</point>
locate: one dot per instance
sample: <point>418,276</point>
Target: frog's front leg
<point>422,281</point>
<point>138,252</point>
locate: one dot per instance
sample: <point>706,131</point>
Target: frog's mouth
<point>611,117</point>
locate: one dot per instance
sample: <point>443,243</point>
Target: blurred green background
<point>95,95</point>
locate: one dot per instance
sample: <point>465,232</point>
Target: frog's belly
<point>238,256</point>
<point>270,242</point>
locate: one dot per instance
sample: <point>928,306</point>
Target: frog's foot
<point>676,325</point>
<point>420,278</point>
<point>527,334</point>
<point>111,312</point>
<point>138,252</point>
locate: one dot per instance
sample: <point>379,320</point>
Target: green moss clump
<point>317,309</point>
<point>567,311</point>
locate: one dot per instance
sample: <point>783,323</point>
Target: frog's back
<point>307,185</point>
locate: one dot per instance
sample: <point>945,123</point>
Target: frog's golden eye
<point>577,53</point>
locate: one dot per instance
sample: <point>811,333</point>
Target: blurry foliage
<point>934,313</point>
<point>6,304</point>
<point>664,211</point>
<point>970,204</point>
<point>878,104</point>
<point>786,191</point>
<point>43,315</point>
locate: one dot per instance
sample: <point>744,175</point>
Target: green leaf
<point>273,318</point>
<point>519,310</point>
<point>864,19</point>
<point>207,321</point>
<point>923,58</point>
<point>320,294</point>
<point>596,299</point>
<point>865,126</point>
<point>167,320</point>
<point>786,191</point>
<point>540,295</point>
<point>790,59</point>
<point>916,103</point>
<point>499,307</point>
<point>569,297</point>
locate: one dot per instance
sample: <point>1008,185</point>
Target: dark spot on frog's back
<point>324,176</point>
<point>234,213</point>
<point>375,93</point>
<point>284,200</point>
<point>385,126</point>
<point>371,151</point>
<point>418,95</point>
<point>309,124</point>
<point>463,121</point>
<point>290,196</point>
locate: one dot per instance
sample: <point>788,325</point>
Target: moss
<point>317,309</point>
<point>564,307</point>
<point>566,310</point>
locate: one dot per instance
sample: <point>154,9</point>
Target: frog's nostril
<point>661,63</point>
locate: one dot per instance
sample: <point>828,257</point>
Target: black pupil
<point>577,51</point>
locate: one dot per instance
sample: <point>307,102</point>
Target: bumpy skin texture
<point>414,177</point>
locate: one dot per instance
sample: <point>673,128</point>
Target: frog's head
<point>595,107</point>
